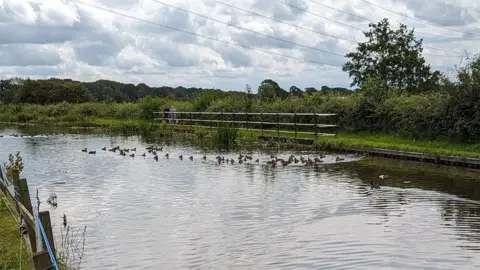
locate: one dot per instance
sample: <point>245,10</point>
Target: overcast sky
<point>68,39</point>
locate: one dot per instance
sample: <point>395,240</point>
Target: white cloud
<point>64,38</point>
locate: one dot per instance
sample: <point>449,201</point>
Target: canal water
<point>183,214</point>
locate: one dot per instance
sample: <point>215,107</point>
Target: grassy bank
<point>10,251</point>
<point>444,148</point>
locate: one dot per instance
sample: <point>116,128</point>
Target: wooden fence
<point>34,226</point>
<point>267,124</point>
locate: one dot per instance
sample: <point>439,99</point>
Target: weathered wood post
<point>190,118</point>
<point>295,122</point>
<point>278,126</point>
<point>47,227</point>
<point>246,120</point>
<point>21,190</point>
<point>261,120</point>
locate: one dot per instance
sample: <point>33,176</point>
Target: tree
<point>279,92</point>
<point>295,91</point>
<point>393,55</point>
<point>310,90</point>
<point>266,92</point>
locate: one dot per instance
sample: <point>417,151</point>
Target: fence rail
<point>293,123</point>
<point>36,225</point>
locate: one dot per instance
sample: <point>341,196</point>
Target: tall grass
<point>226,136</point>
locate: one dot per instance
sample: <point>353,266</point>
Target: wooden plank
<point>47,227</point>
<point>243,113</point>
<point>42,260</point>
<point>25,206</point>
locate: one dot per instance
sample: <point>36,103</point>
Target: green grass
<point>443,148</point>
<point>10,242</point>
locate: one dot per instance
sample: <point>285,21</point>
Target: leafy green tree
<point>295,91</point>
<point>394,55</point>
<point>279,92</point>
<point>266,92</point>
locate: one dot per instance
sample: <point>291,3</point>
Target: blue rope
<point>47,244</point>
<point>44,235</point>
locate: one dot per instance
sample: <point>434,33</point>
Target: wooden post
<point>246,120</point>
<point>315,127</point>
<point>21,188</point>
<point>295,121</point>
<point>261,120</point>
<point>42,260</point>
<point>278,126</point>
<point>234,120</point>
<point>190,119</point>
<point>47,227</point>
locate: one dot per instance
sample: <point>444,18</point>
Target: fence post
<point>47,227</point>
<point>315,127</point>
<point>278,126</point>
<point>261,120</point>
<point>21,188</point>
<point>234,120</point>
<point>246,120</point>
<point>295,121</point>
<point>190,118</point>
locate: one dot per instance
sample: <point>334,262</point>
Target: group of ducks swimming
<point>273,162</point>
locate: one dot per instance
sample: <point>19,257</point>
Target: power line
<point>287,23</point>
<point>322,33</point>
<point>203,36</point>
<point>248,30</point>
<point>422,21</point>
<point>354,27</point>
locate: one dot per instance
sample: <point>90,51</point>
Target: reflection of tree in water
<point>462,215</point>
<point>465,216</point>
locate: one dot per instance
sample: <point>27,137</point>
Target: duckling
<point>191,158</point>
<point>132,155</point>
<point>155,157</point>
<point>154,153</point>
<point>272,157</point>
<point>223,159</point>
<point>295,160</point>
<point>257,160</point>
<point>374,185</point>
<point>339,159</point>
<point>84,150</point>
<point>160,149</point>
<point>181,157</point>
<point>167,155</point>
<point>134,149</point>
<point>92,152</point>
<point>240,161</point>
<point>204,157</point>
<point>123,153</point>
<point>112,149</point>
<point>104,149</point>
<point>232,161</point>
<point>228,160</point>
<point>144,155</point>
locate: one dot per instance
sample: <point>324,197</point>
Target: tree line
<point>54,90</point>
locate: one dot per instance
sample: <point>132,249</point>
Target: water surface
<point>173,214</point>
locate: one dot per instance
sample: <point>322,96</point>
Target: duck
<point>155,157</point>
<point>339,159</point>
<point>144,155</point>
<point>92,152</point>
<point>257,160</point>
<point>191,158</point>
<point>84,150</point>
<point>104,149</point>
<point>134,149</point>
<point>204,157</point>
<point>228,160</point>
<point>132,155</point>
<point>374,185</point>
<point>181,157</point>
<point>167,155</point>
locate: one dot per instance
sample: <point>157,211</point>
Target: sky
<point>218,44</point>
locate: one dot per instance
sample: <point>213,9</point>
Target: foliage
<point>266,92</point>
<point>226,135</point>
<point>149,105</point>
<point>14,167</point>
<point>392,55</point>
<point>51,91</point>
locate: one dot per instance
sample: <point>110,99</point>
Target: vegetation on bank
<point>398,95</point>
<point>11,253</point>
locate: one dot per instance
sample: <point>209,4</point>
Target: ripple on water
<point>172,214</point>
